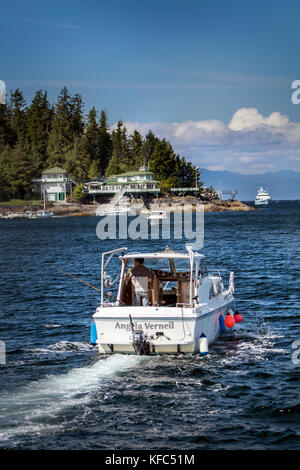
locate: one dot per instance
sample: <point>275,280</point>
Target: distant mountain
<point>283,184</point>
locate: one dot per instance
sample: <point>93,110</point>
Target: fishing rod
<point>107,295</point>
<point>77,278</point>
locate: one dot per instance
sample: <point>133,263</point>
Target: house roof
<point>136,173</point>
<point>54,170</point>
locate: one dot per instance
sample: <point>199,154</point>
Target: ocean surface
<point>58,393</point>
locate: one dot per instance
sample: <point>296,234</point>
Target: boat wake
<point>29,409</point>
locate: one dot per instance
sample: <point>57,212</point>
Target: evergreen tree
<point>163,162</point>
<point>117,158</point>
<point>20,171</point>
<point>75,162</point>
<point>17,115</point>
<point>5,156</point>
<point>136,150</point>
<point>93,170</point>
<point>90,142</point>
<point>39,136</point>
<point>6,133</point>
<point>76,116</point>
<point>105,145</point>
<point>148,146</point>
<point>66,126</point>
<point>38,128</point>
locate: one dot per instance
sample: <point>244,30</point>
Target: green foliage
<point>78,194</point>
<point>135,145</point>
<point>93,170</point>
<point>105,144</point>
<point>37,129</point>
<point>76,163</point>
<point>165,185</point>
<point>38,136</point>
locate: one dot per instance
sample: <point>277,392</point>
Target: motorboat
<point>43,213</point>
<point>187,307</point>
<point>117,210</point>
<point>156,215</point>
<point>262,198</point>
<point>30,215</point>
<point>13,215</point>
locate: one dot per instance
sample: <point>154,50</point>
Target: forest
<point>41,135</point>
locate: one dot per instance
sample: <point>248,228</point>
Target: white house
<point>55,184</point>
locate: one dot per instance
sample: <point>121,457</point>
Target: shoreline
<point>164,204</point>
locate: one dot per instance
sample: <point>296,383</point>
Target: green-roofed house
<point>134,183</point>
<point>55,184</point>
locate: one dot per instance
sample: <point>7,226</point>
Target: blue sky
<point>160,61</point>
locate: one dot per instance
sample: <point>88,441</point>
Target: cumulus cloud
<point>250,143</point>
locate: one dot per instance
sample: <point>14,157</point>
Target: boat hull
<point>262,203</point>
<point>169,330</point>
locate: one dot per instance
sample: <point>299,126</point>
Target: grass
<point>21,202</point>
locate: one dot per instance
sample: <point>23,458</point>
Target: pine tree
<point>105,145</point>
<point>6,133</point>
<point>5,156</point>
<point>17,115</point>
<point>66,126</point>
<point>93,170</point>
<point>116,160</point>
<point>76,116</point>
<point>38,129</point>
<point>90,142</point>
<point>20,170</point>
<point>148,146</point>
<point>136,150</point>
<point>75,162</point>
<point>163,162</point>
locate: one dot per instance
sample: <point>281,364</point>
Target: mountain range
<point>280,185</point>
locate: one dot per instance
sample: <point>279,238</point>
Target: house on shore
<point>132,183</point>
<point>55,184</point>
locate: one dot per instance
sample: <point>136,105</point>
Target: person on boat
<point>140,276</point>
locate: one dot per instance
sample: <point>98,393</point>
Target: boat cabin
<point>175,278</point>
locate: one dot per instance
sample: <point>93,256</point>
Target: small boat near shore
<point>13,215</point>
<point>186,310</point>
<point>30,215</point>
<point>117,210</point>
<point>156,215</point>
<point>43,213</point>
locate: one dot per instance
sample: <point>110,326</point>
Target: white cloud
<point>250,143</point>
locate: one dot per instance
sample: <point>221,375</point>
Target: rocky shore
<point>174,204</point>
<point>177,204</point>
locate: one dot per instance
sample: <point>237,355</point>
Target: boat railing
<point>104,263</point>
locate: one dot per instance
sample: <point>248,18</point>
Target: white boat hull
<point>179,328</point>
<point>262,203</point>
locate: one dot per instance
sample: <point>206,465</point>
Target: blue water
<point>57,393</point>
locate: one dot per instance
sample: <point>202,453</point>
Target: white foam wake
<point>27,409</point>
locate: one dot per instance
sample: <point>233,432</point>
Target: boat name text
<point>147,326</point>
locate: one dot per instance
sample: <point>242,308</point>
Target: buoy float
<point>93,333</point>
<point>229,321</point>
<point>238,317</point>
<point>203,344</point>
<point>222,323</point>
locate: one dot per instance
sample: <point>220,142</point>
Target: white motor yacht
<point>262,198</point>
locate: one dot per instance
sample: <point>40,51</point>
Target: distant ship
<point>262,197</point>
